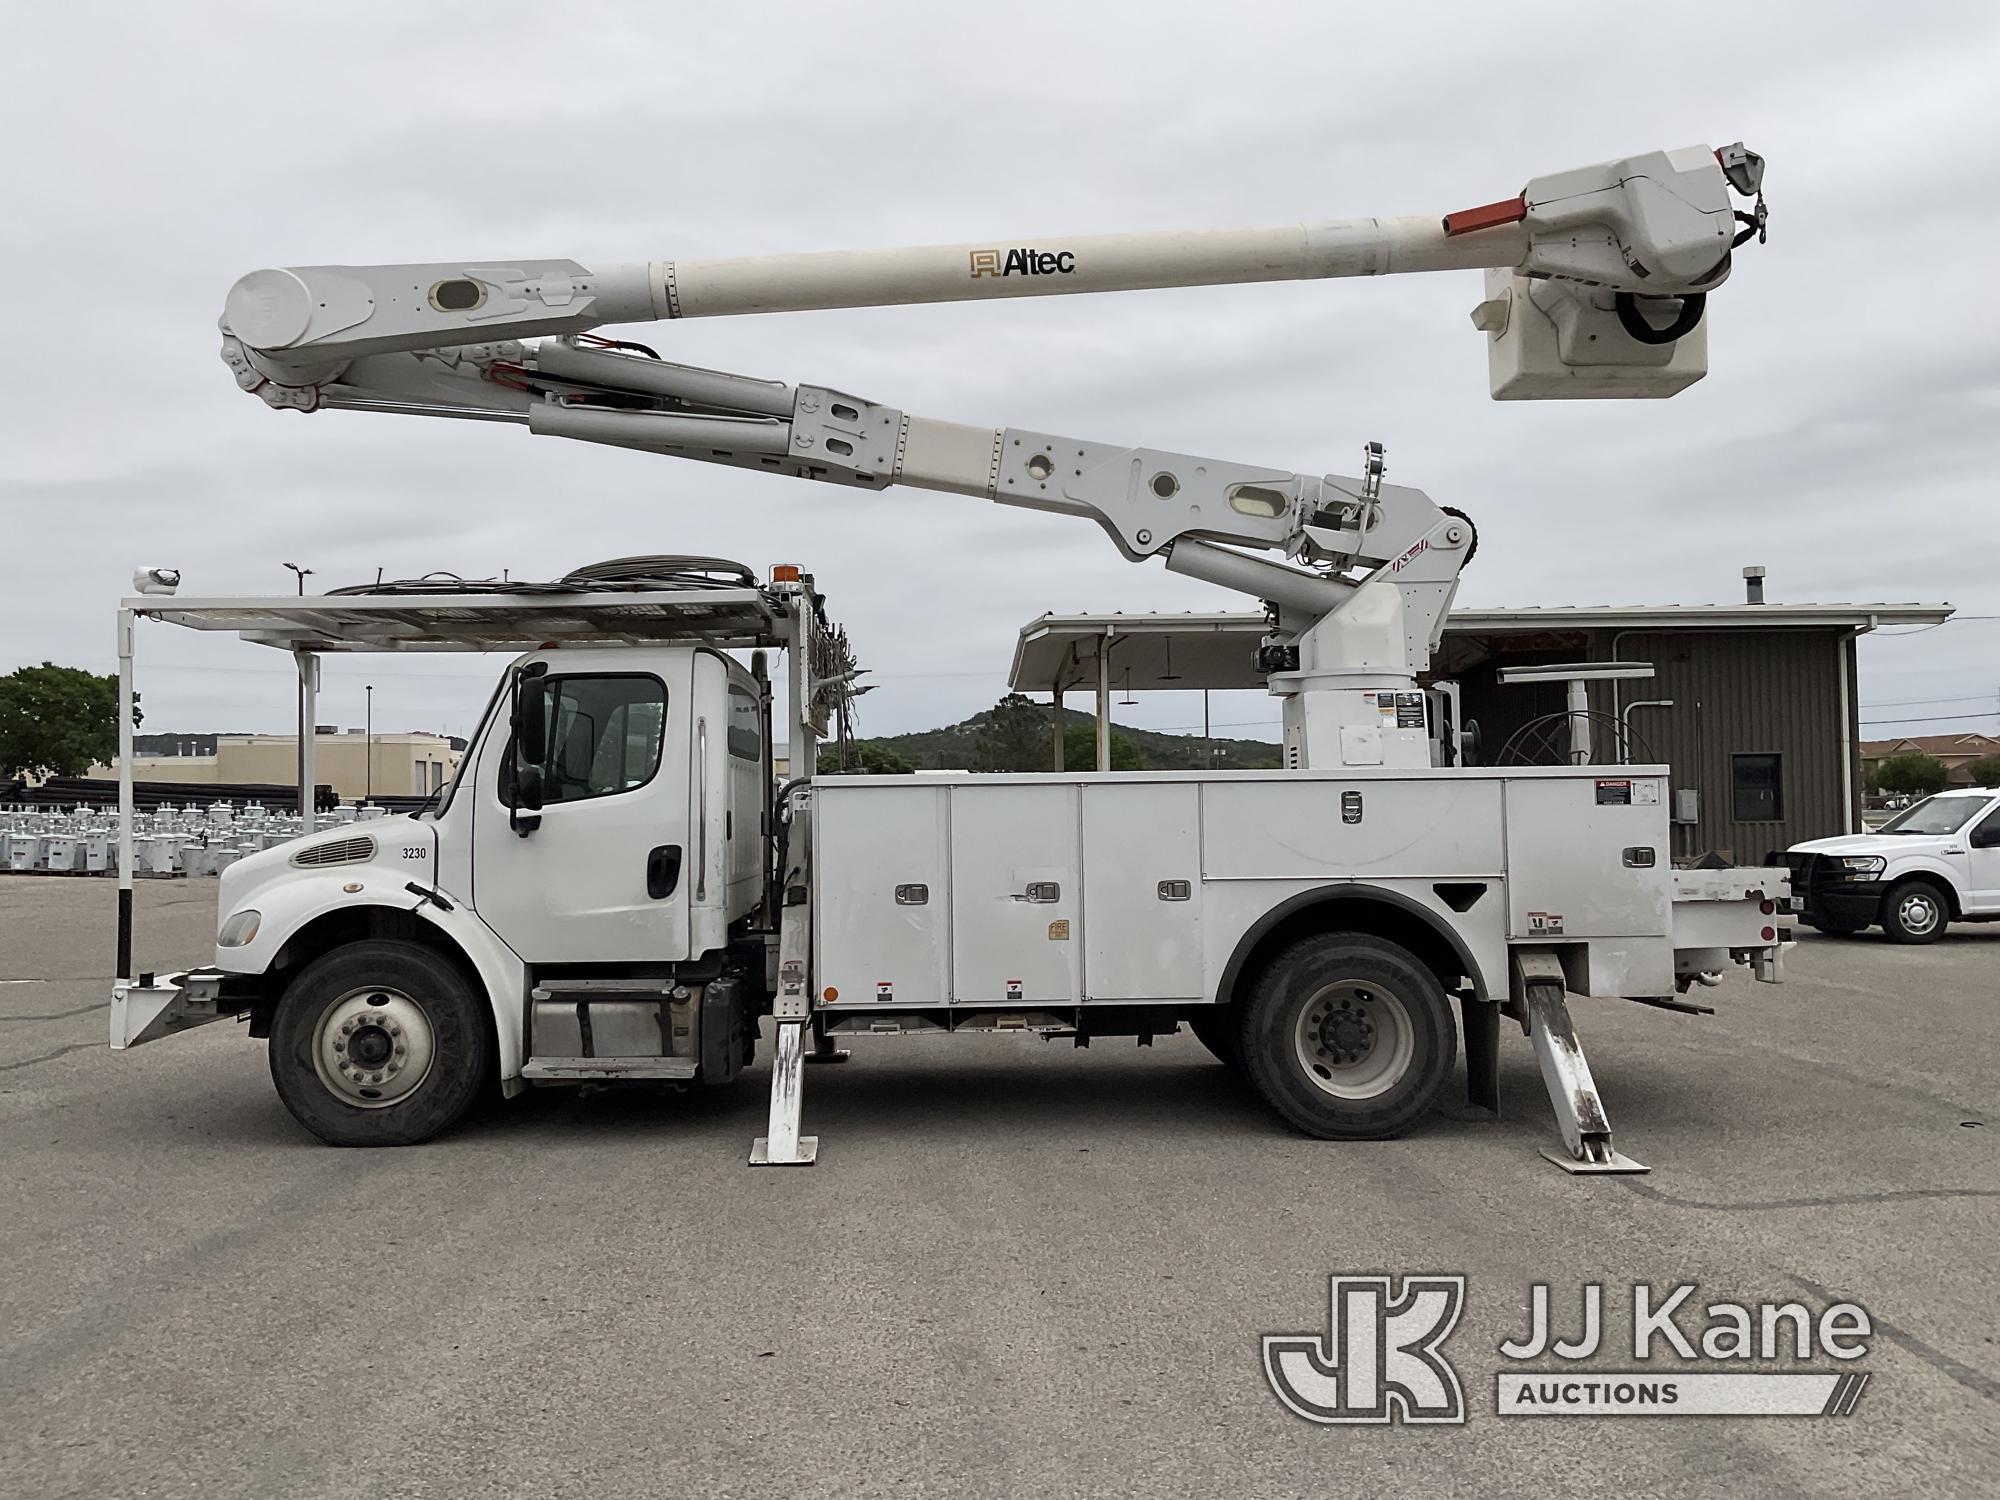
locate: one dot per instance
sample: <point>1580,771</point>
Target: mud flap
<point>1480,1021</point>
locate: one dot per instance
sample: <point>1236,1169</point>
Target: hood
<point>1887,844</point>
<point>390,836</point>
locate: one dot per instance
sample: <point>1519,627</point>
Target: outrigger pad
<point>1617,1164</point>
<point>760,1153</point>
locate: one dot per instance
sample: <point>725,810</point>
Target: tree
<point>1913,772</point>
<point>57,721</point>
<point>864,759</point>
<point>1014,737</point>
<point>1985,771</point>
<point>1080,750</point>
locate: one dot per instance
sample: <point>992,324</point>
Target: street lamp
<point>304,728</point>
<point>368,780</point>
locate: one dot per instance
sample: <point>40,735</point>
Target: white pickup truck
<point>1930,865</point>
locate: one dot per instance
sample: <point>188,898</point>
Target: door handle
<point>663,871</point>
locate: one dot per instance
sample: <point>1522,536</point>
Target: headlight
<point>239,929</point>
<point>1860,865</point>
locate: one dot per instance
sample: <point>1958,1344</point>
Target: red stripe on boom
<point>1486,216</point>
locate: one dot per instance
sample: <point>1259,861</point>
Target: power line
<point>1927,719</point>
<point>1922,702</point>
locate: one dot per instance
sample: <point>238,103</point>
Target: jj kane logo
<point>1381,1359</point>
<point>1024,261</point>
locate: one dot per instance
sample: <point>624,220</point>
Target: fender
<point>500,970</point>
<point>1344,891</point>
<point>297,898</point>
<point>287,904</point>
<point>1902,866</point>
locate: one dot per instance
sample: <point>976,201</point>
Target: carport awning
<point>512,621</point>
<point>1165,653</point>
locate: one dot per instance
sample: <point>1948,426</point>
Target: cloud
<point>1845,438</point>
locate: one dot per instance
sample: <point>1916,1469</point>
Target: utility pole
<point>368,776</point>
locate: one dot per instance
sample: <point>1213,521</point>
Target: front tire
<point>379,1044</point>
<point>1830,928</point>
<point>1347,1037</point>
<point>1916,911</point>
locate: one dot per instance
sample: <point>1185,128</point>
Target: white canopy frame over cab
<point>514,618</point>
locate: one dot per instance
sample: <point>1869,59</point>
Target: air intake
<point>336,852</point>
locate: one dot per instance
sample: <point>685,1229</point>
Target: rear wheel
<point>1915,912</point>
<point>1348,1037</point>
<point>379,1044</point>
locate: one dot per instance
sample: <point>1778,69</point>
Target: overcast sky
<point>1847,437</point>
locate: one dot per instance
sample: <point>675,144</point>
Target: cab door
<point>601,873</point>
<point>1982,857</point>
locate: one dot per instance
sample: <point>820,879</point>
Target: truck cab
<point>583,903</point>
<point>1932,864</point>
<point>643,845</point>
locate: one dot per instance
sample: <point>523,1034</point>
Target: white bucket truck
<point>611,890</point>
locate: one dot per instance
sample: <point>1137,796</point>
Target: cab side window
<point>604,736</point>
<point>746,725</point>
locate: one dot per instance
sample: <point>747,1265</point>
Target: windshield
<point>465,760</point>
<point>1944,814</point>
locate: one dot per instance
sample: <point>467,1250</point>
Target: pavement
<point>1019,1268</point>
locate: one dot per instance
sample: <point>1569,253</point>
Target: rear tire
<point>1347,1037</point>
<point>379,1044</point>
<point>1915,911</point>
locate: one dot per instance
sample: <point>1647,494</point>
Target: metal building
<point>1753,706</point>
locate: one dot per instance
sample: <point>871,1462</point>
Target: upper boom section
<point>1657,227</point>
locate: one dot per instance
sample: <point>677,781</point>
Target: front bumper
<point>1825,894</point>
<point>156,1005</point>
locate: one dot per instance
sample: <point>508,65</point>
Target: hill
<point>1014,735</point>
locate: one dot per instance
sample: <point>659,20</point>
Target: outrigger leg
<point>781,1145</point>
<point>1586,1129</point>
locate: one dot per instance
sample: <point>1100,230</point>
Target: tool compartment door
<point>1573,843</point>
<point>1015,894</point>
<point>881,895</point>
<point>1142,891</point>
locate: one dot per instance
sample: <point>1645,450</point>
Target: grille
<point>336,852</point>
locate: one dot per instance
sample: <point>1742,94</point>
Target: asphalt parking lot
<point>1019,1268</point>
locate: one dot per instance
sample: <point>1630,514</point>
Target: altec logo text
<point>1023,262</point>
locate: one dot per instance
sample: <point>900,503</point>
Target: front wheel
<point>1348,1037</point>
<point>379,1044</point>
<point>1915,912</point>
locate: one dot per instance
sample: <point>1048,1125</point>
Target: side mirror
<point>1986,836</point>
<point>531,727</point>
<point>528,788</point>
<point>529,724</point>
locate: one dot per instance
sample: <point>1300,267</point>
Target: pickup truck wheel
<point>1347,1037</point>
<point>1915,912</point>
<point>1215,1027</point>
<point>378,1044</point>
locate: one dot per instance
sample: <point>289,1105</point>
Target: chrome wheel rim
<point>373,1047</point>
<point>1354,1039</point>
<point>1917,911</point>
